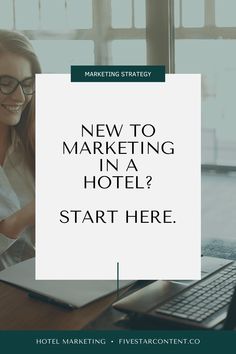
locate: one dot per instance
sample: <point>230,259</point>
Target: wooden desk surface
<point>20,312</point>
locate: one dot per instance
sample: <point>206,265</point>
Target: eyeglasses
<point>9,84</point>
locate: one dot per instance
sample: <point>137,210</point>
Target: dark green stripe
<point>25,342</point>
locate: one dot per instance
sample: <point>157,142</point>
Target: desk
<point>20,312</point>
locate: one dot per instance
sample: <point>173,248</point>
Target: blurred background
<point>188,36</point>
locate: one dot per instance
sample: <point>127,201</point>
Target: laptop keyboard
<point>204,298</point>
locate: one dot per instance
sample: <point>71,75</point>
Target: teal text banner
<point>161,342</point>
<point>117,73</point>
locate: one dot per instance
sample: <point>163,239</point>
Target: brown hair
<point>17,43</point>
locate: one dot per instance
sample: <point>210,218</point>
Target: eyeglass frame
<point>18,83</point>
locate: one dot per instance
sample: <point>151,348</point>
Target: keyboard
<point>203,299</point>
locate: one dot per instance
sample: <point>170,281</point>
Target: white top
<point>16,191</point>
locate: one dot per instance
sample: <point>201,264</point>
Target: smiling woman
<point>18,65</point>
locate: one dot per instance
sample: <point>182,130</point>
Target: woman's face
<point>12,105</point>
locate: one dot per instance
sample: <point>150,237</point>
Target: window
<point>205,41</point>
<point>80,31</point>
<point>101,32</point>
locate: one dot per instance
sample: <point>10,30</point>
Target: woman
<point>18,65</point>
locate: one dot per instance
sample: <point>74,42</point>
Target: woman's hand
<point>17,222</point>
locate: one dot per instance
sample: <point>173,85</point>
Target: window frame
<point>210,32</point>
<point>159,32</point>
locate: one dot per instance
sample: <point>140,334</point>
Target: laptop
<point>202,304</point>
<point>70,294</point>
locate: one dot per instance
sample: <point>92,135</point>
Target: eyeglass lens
<point>9,84</point>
